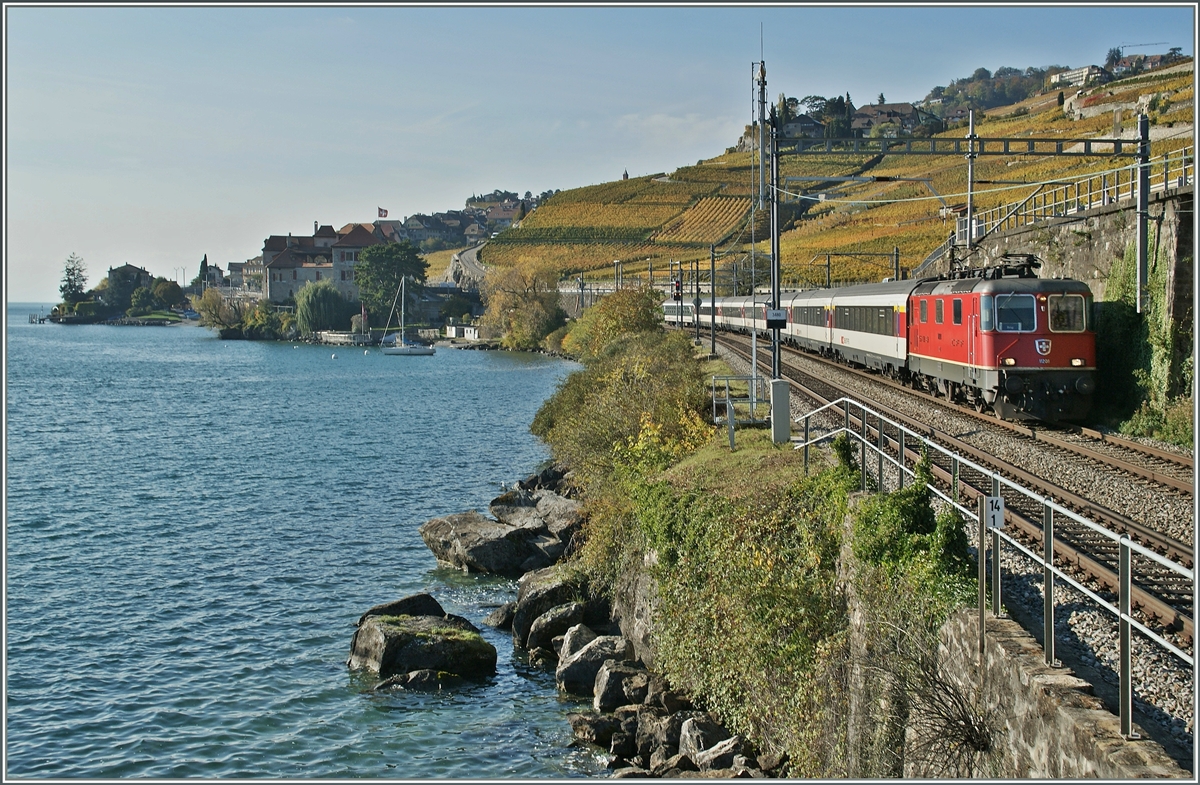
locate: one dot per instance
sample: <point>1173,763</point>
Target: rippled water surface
<point>194,526</point>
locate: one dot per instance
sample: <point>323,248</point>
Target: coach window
<point>924,311</point>
<point>985,313</point>
<point>1066,313</point>
<point>939,311</point>
<point>957,311</point>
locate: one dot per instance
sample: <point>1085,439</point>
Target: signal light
<point>677,294</point>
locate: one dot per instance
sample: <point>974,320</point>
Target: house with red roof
<point>291,262</point>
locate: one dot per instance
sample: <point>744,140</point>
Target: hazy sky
<point>157,135</point>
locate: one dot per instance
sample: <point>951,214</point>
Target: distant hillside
<point>663,218</point>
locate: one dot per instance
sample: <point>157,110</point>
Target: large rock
<point>412,605</point>
<point>502,617</point>
<point>720,755</point>
<point>553,622</point>
<point>541,511</point>
<point>698,734</point>
<point>575,639</point>
<point>619,684</point>
<point>549,478</point>
<point>576,673</point>
<point>538,592</point>
<point>473,542</point>
<point>390,645</point>
<point>562,516</point>
<point>595,729</point>
<point>423,681</point>
<point>517,508</point>
<point>673,766</point>
<point>658,733</point>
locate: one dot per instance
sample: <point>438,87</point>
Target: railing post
<point>862,443</point>
<point>981,561</point>
<point>882,487</point>
<point>846,404</point>
<point>1126,643</point>
<point>996,603</point>
<point>900,452</point>
<point>954,478</point>
<point>729,418</point>
<point>807,417</point>
<point>1048,635</point>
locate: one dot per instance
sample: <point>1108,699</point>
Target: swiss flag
<point>382,212</point>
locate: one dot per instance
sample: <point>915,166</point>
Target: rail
<point>1122,610</point>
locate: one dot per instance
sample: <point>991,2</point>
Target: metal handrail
<point>1122,611</point>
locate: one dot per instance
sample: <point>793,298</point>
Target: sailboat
<point>399,344</point>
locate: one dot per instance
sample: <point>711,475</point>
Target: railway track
<point>1162,597</point>
<point>1147,462</point>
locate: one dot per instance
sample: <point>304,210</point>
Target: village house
<point>475,233</point>
<point>502,216</point>
<point>803,127</point>
<point>291,262</point>
<point>903,118</point>
<point>390,231</point>
<point>127,272</point>
<point>1078,77</point>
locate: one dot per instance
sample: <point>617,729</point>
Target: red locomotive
<point>996,338</point>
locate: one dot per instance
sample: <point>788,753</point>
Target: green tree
<point>1113,56</point>
<point>456,306</point>
<point>786,109</point>
<point>74,281</point>
<point>168,293</point>
<point>378,273</point>
<point>320,306</point>
<point>141,302</point>
<point>121,283</point>
<point>881,100</point>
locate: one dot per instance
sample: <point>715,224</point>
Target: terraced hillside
<point>675,217</point>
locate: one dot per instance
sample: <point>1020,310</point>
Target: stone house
<point>291,262</point>
<point>135,275</point>
<point>802,127</point>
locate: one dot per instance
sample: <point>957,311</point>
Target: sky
<point>158,135</point>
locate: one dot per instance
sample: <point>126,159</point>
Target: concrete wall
<point>1046,721</point>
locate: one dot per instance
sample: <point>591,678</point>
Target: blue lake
<point>193,526</point>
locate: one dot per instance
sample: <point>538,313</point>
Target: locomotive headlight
<point>1008,360</point>
<point>1077,362</point>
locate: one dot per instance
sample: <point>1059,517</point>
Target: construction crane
<point>1139,46</point>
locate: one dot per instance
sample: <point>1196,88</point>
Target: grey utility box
<point>781,412</point>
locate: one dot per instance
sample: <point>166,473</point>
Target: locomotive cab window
<point>1015,313</point>
<point>924,311</point>
<point>1066,313</point>
<point>957,311</point>
<point>939,311</point>
<point>985,313</point>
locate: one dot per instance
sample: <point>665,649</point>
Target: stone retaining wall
<point>1047,722</point>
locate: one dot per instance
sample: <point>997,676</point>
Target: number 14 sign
<point>994,512</point>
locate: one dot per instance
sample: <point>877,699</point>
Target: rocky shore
<point>646,728</point>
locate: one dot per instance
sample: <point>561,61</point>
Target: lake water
<point>195,525</point>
